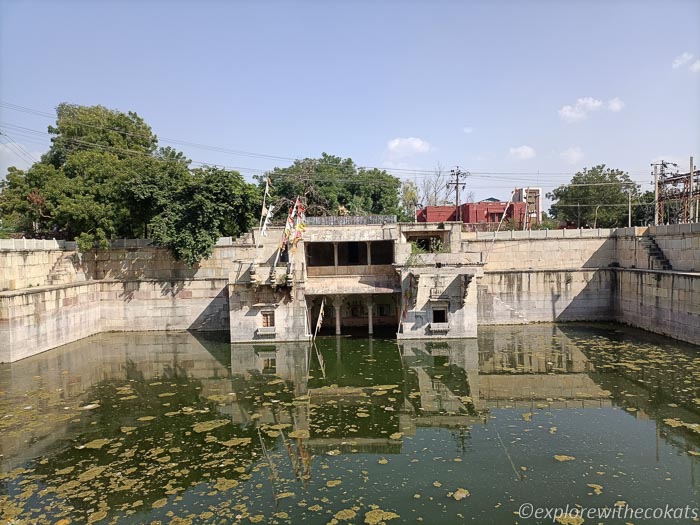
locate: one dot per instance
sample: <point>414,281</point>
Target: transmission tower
<point>676,195</point>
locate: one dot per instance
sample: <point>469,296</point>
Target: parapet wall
<point>680,243</point>
<point>666,303</point>
<point>35,320</point>
<point>31,268</point>
<point>545,296</point>
<point>572,249</point>
<point>38,319</point>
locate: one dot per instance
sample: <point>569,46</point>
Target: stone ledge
<point>46,288</point>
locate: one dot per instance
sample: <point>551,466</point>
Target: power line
<point>18,149</point>
<point>145,135</point>
<point>517,176</point>
<point>274,176</point>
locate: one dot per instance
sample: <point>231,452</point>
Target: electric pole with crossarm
<point>457,173</point>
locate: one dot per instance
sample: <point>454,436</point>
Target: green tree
<point>595,197</point>
<point>546,223</point>
<point>410,197</point>
<point>105,177</point>
<point>97,127</point>
<point>331,185</point>
<point>210,203</point>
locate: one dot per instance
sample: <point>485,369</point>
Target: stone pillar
<point>335,254</point>
<point>370,327</point>
<point>337,305</point>
<point>369,254</point>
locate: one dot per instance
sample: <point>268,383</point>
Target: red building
<point>483,212</point>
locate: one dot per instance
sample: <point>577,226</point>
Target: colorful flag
<point>268,217</point>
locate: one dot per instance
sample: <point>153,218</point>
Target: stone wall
<point>425,290</point>
<point>572,249</point>
<point>542,250</point>
<point>680,244</point>
<point>287,306</point>
<point>31,268</point>
<point>535,296</point>
<point>151,262</point>
<point>197,304</point>
<point>35,320</point>
<point>54,296</point>
<point>666,303</point>
<point>663,302</point>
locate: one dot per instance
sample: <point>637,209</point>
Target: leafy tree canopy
<point>331,185</point>
<point>105,177</point>
<point>595,198</point>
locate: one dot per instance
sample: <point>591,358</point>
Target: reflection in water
<point>174,428</point>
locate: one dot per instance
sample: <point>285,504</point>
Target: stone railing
<point>36,245</point>
<point>520,235</point>
<point>350,220</point>
<point>325,271</point>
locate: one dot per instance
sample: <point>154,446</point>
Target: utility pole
<point>690,191</point>
<point>629,208</point>
<point>457,173</point>
<point>656,195</point>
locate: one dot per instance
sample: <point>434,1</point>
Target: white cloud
<point>9,157</point>
<point>682,60</point>
<point>615,104</point>
<point>522,152</point>
<point>572,155</point>
<point>407,147</point>
<point>586,105</point>
<point>579,110</point>
<point>695,67</point>
<point>468,130</point>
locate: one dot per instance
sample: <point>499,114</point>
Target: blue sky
<point>505,87</point>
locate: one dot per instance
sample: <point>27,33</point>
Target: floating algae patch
<point>206,426</point>
<point>377,516</point>
<point>458,494</point>
<point>597,489</point>
<point>96,443</point>
<point>91,473</point>
<point>345,515</point>
<point>225,484</point>
<point>237,442</point>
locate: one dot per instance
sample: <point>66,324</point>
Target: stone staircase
<point>244,238</point>
<point>657,259</point>
<point>65,270</point>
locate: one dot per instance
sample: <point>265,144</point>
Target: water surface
<point>176,428</point>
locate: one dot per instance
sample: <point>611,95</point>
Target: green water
<point>176,428</point>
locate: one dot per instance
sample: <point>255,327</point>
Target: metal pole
<point>629,208</point>
<point>457,210</point>
<point>656,195</point>
<point>690,197</point>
